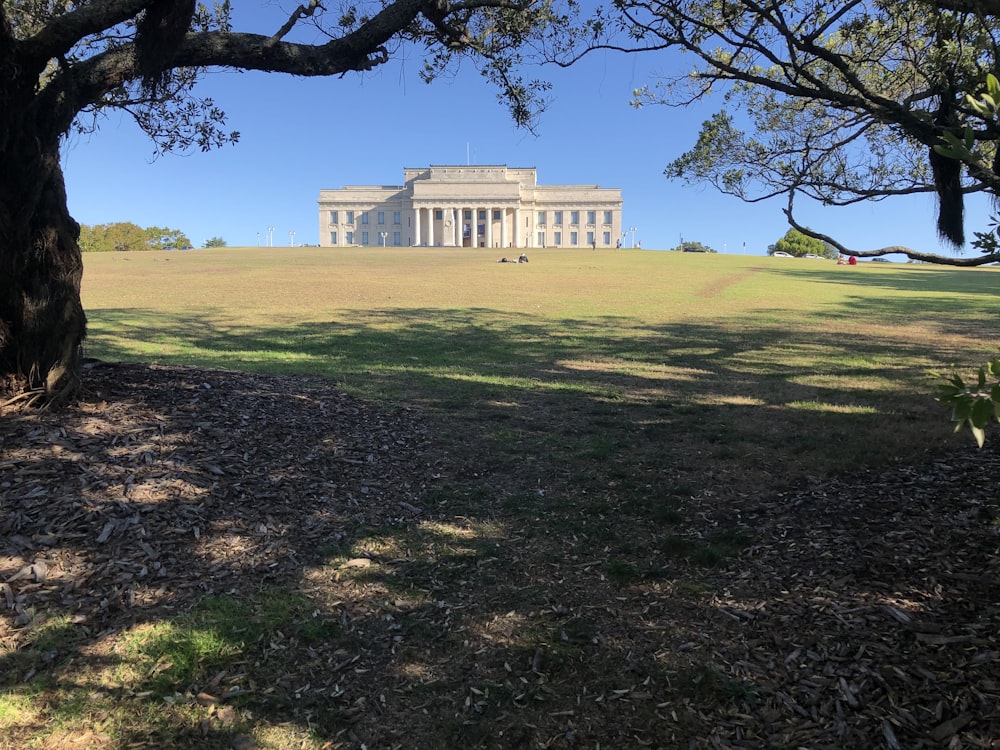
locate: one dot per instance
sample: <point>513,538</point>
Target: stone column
<point>517,227</point>
<point>416,226</point>
<point>489,226</point>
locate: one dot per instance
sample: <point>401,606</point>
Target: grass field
<point>660,517</point>
<point>747,352</point>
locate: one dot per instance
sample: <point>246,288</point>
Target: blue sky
<point>299,136</point>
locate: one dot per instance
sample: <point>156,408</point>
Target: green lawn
<point>764,345</point>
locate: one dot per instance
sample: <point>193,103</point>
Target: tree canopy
<point>798,244</point>
<point>689,246</point>
<point>63,66</point>
<point>120,236</point>
<point>840,103</point>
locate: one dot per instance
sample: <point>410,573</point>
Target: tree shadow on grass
<point>744,385</point>
<point>959,301</point>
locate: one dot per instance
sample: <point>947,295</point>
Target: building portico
<point>471,206</point>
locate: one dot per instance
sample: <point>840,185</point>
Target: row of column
<point>450,229</point>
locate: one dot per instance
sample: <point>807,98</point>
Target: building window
<point>558,217</point>
<point>608,217</point>
<point>396,240</point>
<point>482,215</point>
<point>467,214</point>
<point>573,238</point>
<point>557,238</point>
<point>364,238</point>
<point>333,238</point>
<point>438,215</point>
<point>574,218</point>
<point>591,217</point>
<point>333,217</point>
<point>381,217</point>
<point>364,218</point>
<point>607,239</point>
<point>541,239</point>
<point>496,215</point>
<point>350,238</point>
<point>541,218</point>
<point>350,217</point>
<point>590,238</point>
<point>396,217</point>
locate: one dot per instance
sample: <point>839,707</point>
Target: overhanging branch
<point>941,260</point>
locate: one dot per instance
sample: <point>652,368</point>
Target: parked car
<point>812,255</point>
<point>782,254</point>
<point>881,260</point>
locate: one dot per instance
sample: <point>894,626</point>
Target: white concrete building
<point>471,206</point>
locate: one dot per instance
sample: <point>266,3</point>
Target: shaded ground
<point>379,580</point>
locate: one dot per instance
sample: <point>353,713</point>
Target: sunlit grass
<point>819,406</point>
<point>165,657</point>
<point>17,709</point>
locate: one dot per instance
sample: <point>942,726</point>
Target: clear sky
<point>299,136</point>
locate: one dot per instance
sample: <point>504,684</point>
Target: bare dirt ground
<point>469,603</point>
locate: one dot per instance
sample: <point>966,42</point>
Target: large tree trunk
<point>42,323</point>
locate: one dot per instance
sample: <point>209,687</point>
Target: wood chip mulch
<point>865,613</point>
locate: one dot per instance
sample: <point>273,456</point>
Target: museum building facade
<point>471,206</point>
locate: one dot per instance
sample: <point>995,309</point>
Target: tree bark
<point>42,323</point>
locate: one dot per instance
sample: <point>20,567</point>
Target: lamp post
<point>291,239</point>
<point>258,239</point>
<point>383,235</point>
<point>633,231</point>
<point>624,235</point>
<point>270,236</point>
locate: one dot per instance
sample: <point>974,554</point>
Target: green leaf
<point>993,86</point>
<point>961,411</point>
<point>977,106</point>
<point>980,435</point>
<point>947,392</point>
<point>982,411</point>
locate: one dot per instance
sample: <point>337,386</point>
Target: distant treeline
<point>125,235</point>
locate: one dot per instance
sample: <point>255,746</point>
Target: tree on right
<point>800,246</point>
<point>840,102</point>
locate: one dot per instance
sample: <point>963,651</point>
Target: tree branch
<point>63,31</point>
<point>941,260</point>
<point>303,11</point>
